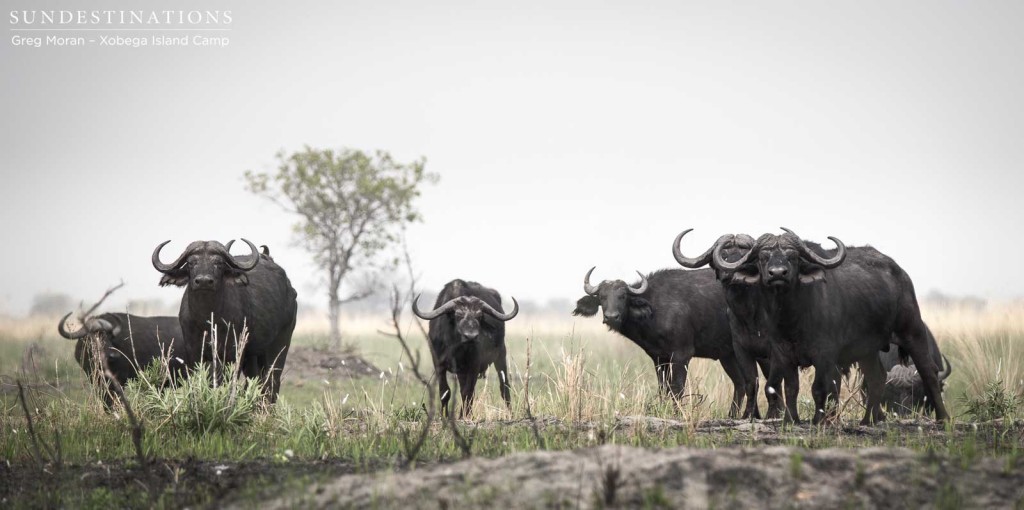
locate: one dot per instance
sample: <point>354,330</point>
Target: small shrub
<point>196,405</point>
<point>995,402</point>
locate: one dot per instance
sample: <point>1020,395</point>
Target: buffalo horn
<point>818,259</point>
<point>501,316</point>
<point>166,268</point>
<point>432,314</point>
<point>685,261</point>
<point>109,327</point>
<point>643,285</point>
<point>233,262</point>
<point>70,335</point>
<point>587,287</point>
<point>720,261</point>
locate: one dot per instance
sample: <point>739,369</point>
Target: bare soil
<point>734,477</point>
<point>314,365</point>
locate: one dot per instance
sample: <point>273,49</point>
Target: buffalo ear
<point>812,274</point>
<point>178,279</point>
<point>640,308</point>
<point>239,278</point>
<point>744,278</point>
<point>587,306</point>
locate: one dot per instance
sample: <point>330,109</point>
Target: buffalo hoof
<point>869,420</point>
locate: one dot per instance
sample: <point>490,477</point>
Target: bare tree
<point>352,206</point>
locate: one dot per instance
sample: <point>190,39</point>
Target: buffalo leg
<point>916,343</point>
<point>874,385</point>
<point>444,390</point>
<point>252,366</point>
<point>467,386</point>
<point>774,397</point>
<point>748,369</point>
<point>780,370</point>
<point>732,369</point>
<point>663,370</point>
<point>825,390</point>
<point>272,373</point>
<point>501,365</point>
<point>792,382</point>
<point>678,368</point>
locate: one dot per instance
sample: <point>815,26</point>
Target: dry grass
<point>984,345</point>
<point>583,372</point>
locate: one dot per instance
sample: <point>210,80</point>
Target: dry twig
<point>412,448</point>
<point>37,446</point>
<point>100,346</point>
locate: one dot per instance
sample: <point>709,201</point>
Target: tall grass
<point>582,377</point>
<point>985,346</point>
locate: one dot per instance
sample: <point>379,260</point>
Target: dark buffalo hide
<point>673,315</point>
<point>467,335</point>
<point>249,291</point>
<point>131,343</point>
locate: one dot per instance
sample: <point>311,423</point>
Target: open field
<point>348,414</point>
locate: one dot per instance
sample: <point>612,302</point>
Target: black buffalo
<point>904,390</point>
<point>833,308</point>
<point>748,321</point>
<point>673,315</point>
<point>250,290</point>
<point>131,343</point>
<point>467,335</point>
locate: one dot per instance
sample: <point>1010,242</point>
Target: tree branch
<point>106,294</point>
<point>363,294</point>
<point>100,346</point>
<point>412,449</point>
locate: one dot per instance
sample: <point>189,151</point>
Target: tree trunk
<point>334,316</point>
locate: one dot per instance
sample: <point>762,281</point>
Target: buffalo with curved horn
<point>467,335</point>
<point>747,321</point>
<point>250,290</point>
<point>832,308</point>
<point>130,343</point>
<point>674,316</point>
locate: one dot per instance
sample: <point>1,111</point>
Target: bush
<point>994,403</point>
<point>197,405</point>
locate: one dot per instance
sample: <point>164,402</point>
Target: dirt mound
<point>610,475</point>
<point>317,364</point>
<point>186,483</point>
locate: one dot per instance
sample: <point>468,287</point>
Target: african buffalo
<point>748,322</point>
<point>904,389</point>
<point>467,335</point>
<point>673,315</point>
<point>131,342</point>
<point>251,291</point>
<point>832,308</point>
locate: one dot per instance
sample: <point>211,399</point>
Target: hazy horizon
<point>565,135</point>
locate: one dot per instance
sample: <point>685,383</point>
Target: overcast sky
<point>566,135</point>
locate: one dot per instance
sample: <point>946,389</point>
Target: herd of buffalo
<point>777,302</point>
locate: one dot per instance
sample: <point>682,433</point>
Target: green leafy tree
<point>353,206</point>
